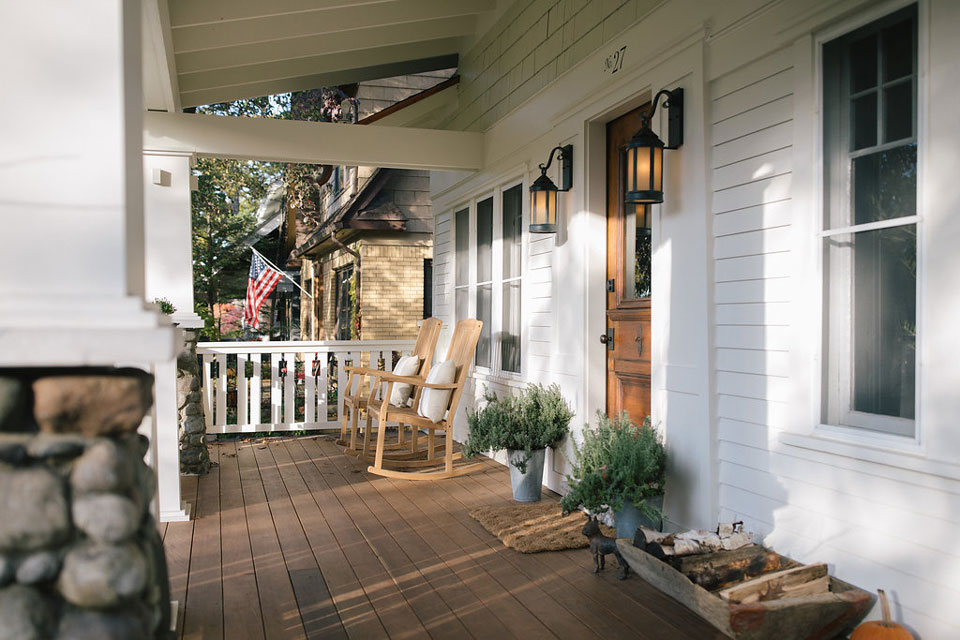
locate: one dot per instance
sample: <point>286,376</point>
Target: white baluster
<point>276,390</point>
<point>243,414</point>
<point>221,417</point>
<point>207,392</point>
<point>322,418</point>
<point>309,390</point>
<point>255,391</point>
<point>289,390</point>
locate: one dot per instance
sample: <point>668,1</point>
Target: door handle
<point>607,339</point>
<point>639,339</point>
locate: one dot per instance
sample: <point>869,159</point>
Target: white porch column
<point>169,274</point>
<point>72,249</point>
<point>169,232</point>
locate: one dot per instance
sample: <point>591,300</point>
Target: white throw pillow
<point>433,402</point>
<point>406,366</point>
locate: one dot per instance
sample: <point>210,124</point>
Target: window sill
<point>906,455</point>
<point>507,379</point>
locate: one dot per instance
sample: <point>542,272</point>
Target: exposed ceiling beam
<point>319,21</point>
<point>240,90</point>
<point>314,65</point>
<point>190,12</point>
<point>292,49</point>
<point>312,142</point>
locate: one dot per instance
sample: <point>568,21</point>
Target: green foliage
<point>536,418</point>
<point>617,463</point>
<point>165,306</point>
<point>223,213</point>
<point>209,331</point>
<point>229,192</point>
<point>303,181</point>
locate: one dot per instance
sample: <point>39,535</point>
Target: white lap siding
<point>877,525</point>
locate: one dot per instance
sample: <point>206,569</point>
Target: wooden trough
<point>765,595</point>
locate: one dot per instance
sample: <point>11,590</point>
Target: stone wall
<point>194,457</point>
<point>80,555</point>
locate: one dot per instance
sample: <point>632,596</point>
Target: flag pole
<point>279,270</point>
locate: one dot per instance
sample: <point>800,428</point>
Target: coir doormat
<point>534,527</point>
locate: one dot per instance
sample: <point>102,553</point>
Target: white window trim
<point>846,433</point>
<point>495,371</point>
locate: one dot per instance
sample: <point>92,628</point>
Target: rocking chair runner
<point>353,403</point>
<point>462,347</point>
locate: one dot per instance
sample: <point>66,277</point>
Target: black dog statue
<point>601,545</point>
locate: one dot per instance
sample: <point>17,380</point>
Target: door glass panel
<point>512,230</point>
<point>462,303</point>
<point>510,337</point>
<point>637,250</point>
<point>484,314</point>
<point>484,240</point>
<point>462,245</point>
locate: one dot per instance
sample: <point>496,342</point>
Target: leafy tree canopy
<point>229,192</point>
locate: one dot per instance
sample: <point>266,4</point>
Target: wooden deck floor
<point>292,539</point>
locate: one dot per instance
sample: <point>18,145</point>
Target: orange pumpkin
<point>884,629</point>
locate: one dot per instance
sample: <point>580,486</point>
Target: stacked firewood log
<point>728,563</point>
<point>727,537</point>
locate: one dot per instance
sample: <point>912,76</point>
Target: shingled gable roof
<point>362,212</point>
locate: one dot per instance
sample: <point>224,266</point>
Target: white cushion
<point>406,366</point>
<point>433,402</point>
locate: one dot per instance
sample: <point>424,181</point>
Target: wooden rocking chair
<point>461,351</point>
<point>354,402</point>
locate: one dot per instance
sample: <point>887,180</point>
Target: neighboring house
<point>366,255</point>
<point>372,257</point>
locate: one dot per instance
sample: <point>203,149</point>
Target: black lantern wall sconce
<point>643,153</point>
<point>543,192</point>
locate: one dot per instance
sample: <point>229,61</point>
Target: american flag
<point>260,283</point>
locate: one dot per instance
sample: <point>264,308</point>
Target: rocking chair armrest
<point>434,385</point>
<point>362,371</point>
<point>386,376</point>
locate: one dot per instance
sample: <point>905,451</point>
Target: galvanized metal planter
<point>629,518</point>
<point>526,486</point>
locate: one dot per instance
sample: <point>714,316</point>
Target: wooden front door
<point>628,284</point>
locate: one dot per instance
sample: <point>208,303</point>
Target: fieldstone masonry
<point>80,555</point>
<point>194,457</point>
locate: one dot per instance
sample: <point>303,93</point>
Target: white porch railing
<point>284,386</point>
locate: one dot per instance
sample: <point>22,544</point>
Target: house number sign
<point>614,61</point>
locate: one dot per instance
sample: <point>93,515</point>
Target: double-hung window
<point>488,239</point>
<point>870,226</point>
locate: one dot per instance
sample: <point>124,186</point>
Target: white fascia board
<point>425,112</point>
<point>274,140</point>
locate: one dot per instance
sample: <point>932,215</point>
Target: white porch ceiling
<point>204,51</point>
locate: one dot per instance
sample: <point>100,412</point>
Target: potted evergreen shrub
<point>619,467</point>
<point>523,424</point>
